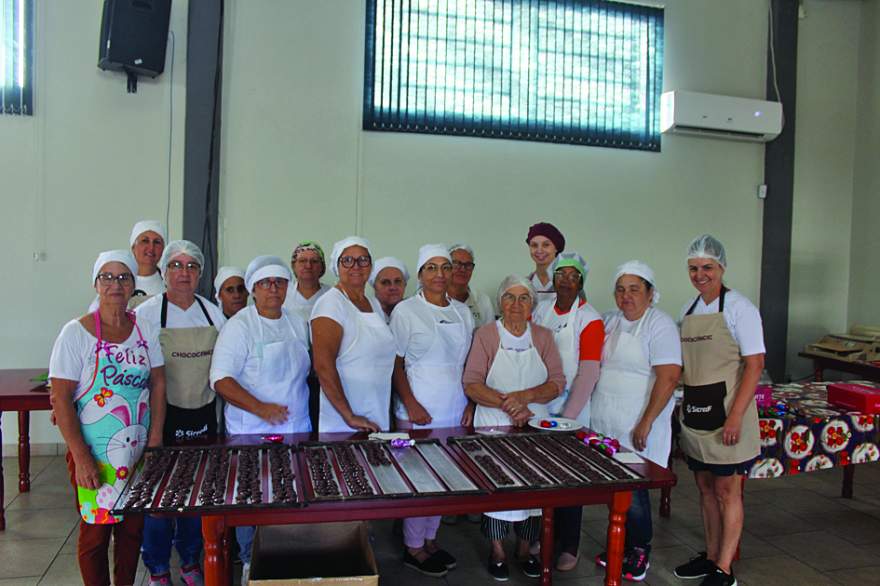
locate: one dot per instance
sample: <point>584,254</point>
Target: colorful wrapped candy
<point>402,443</point>
<point>607,445</point>
<point>548,423</point>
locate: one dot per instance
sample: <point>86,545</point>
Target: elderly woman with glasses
<point>353,346</point>
<point>479,304</point>
<point>108,396</point>
<point>308,266</point>
<point>260,365</point>
<point>579,334</point>
<point>188,325</point>
<point>513,371</point>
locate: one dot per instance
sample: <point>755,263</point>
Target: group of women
<point>306,354</point>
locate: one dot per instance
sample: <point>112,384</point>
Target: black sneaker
<point>698,566</point>
<point>498,570</point>
<point>635,565</point>
<point>531,567</point>
<point>719,578</point>
<point>602,559</point>
<point>445,558</point>
<point>430,567</point>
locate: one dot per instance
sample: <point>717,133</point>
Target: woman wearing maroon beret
<point>545,242</point>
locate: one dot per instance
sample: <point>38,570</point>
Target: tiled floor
<point>798,532</point>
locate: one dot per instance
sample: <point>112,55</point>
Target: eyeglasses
<point>123,279</point>
<point>463,266</point>
<point>272,282</point>
<point>433,268</point>
<point>565,276</point>
<point>525,298</point>
<point>192,267</point>
<point>240,289</point>
<point>349,261</point>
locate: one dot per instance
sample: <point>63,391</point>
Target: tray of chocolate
<point>540,460</point>
<point>199,479</point>
<point>363,469</point>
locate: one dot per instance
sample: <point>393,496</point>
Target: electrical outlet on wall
<point>39,256</point>
<point>762,191</point>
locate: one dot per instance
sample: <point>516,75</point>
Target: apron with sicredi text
<point>114,415</point>
<point>712,371</point>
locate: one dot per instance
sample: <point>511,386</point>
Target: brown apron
<point>712,371</point>
<point>187,353</point>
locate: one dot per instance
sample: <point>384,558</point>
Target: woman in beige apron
<point>719,418</point>
<point>188,326</point>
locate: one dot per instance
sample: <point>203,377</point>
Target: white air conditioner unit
<point>720,116</point>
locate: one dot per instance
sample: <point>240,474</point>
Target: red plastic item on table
<point>861,398</point>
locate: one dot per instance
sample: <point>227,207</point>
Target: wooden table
<point>617,496</point>
<point>19,393</point>
<point>867,370</point>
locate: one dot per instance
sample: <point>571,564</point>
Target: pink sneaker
<point>192,576</point>
<point>163,580</point>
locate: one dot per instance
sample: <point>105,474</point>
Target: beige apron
<point>712,373</point>
<point>187,353</point>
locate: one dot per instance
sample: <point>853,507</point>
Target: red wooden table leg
<point>849,471</point>
<point>547,547</point>
<point>24,451</point>
<point>2,497</point>
<point>213,532</point>
<point>665,502</point>
<point>616,535</point>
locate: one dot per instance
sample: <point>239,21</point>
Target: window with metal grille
<point>572,71</point>
<point>16,57</point>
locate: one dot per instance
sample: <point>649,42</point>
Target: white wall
<point>827,81</point>
<point>296,164</point>
<point>76,176</point>
<point>865,260</point>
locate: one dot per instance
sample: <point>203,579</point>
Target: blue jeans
<point>245,538</point>
<point>639,526</point>
<point>160,532</point>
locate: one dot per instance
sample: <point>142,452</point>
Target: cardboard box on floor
<point>328,554</point>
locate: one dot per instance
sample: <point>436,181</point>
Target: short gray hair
<point>513,281</point>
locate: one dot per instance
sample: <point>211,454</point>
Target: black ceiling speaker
<point>134,35</point>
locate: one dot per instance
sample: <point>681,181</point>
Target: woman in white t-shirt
<point>722,349</point>
<point>463,264</point>
<point>108,395</point>
<point>433,335</point>
<point>353,347</point>
<point>641,365</point>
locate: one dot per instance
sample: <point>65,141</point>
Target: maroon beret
<point>550,232</point>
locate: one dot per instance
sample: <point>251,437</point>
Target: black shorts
<point>720,469</point>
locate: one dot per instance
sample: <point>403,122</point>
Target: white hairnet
<point>707,246</point>
<point>147,226</point>
<point>465,247</point>
<point>123,256</point>
<point>639,269</point>
<point>340,246</point>
<point>511,281</point>
<point>429,251</point>
<point>264,267</point>
<point>388,262</point>
<point>223,274</point>
<point>178,247</point>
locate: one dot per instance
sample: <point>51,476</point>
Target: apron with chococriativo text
<point>712,371</point>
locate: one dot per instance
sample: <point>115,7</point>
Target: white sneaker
<point>245,573</point>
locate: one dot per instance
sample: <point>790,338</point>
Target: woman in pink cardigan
<point>512,372</point>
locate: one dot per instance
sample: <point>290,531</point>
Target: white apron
<point>567,342</point>
<point>365,372</point>
<point>284,366</point>
<point>622,393</point>
<point>435,378</point>
<point>513,371</point>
